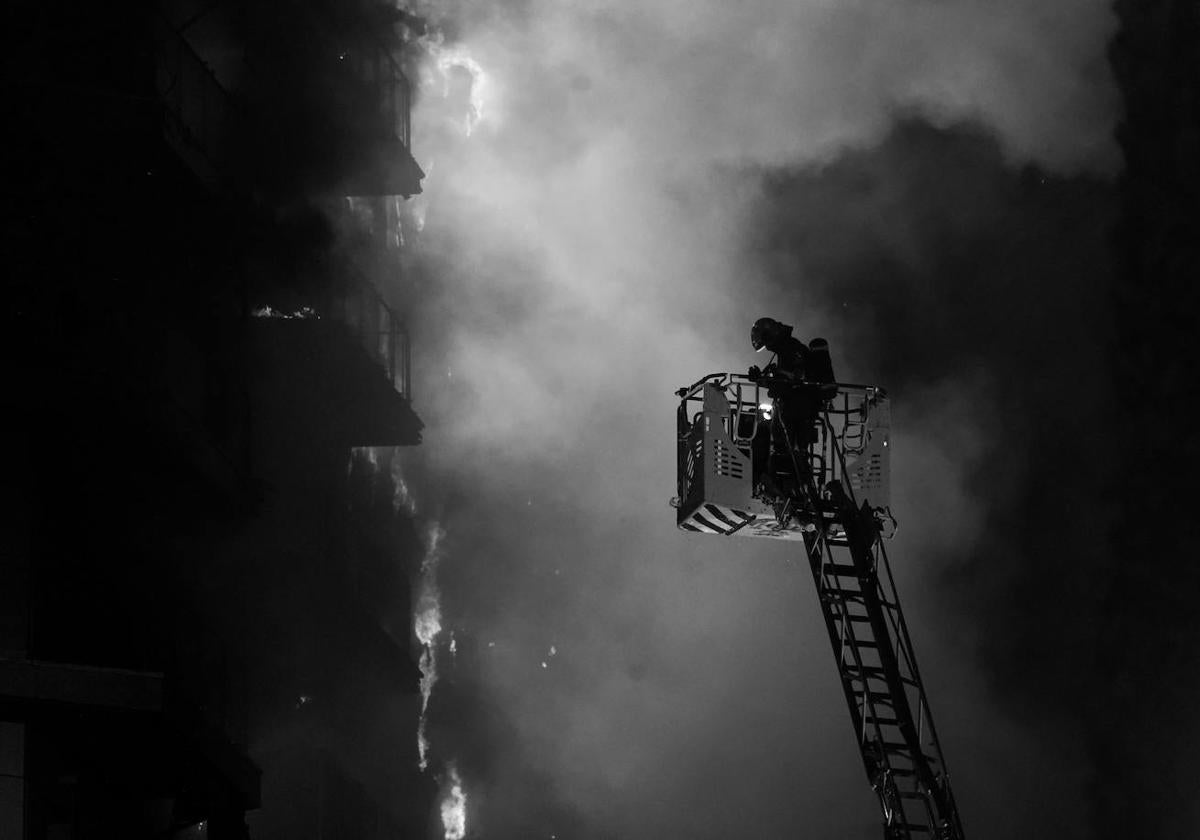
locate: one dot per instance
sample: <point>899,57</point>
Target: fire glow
<point>427,625</point>
<point>454,807</point>
<point>267,311</point>
<point>427,614</point>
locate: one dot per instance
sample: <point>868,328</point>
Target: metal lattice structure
<point>838,508</point>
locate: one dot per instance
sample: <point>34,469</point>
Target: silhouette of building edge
<point>205,609</point>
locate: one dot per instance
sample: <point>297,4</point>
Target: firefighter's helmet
<point>766,331</point>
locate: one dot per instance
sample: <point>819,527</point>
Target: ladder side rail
<point>905,646</point>
<point>858,531</point>
<point>815,554</point>
<point>920,701</point>
<point>902,633</point>
<point>908,660</point>
<point>831,592</point>
<point>938,796</point>
<point>887,655</point>
<point>898,766</point>
<point>880,775</point>
<point>946,794</point>
<point>876,764</point>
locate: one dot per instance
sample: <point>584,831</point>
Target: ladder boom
<point>834,498</point>
<point>882,685</point>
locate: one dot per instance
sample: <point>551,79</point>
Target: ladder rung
<point>879,693</point>
<point>874,672</point>
<point>840,569</point>
<point>904,751</point>
<point>843,595</point>
<point>859,681</point>
<point>883,721</point>
<point>869,670</point>
<point>838,588</point>
<point>881,698</point>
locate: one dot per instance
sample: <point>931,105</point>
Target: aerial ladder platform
<point>832,499</point>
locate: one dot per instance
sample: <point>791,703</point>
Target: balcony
<point>334,368</point>
<point>334,117</point>
<point>381,334</point>
<point>381,88</point>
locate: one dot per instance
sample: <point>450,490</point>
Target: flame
<point>429,607</point>
<point>267,311</point>
<point>454,807</point>
<point>428,678</point>
<point>402,496</point>
<point>427,625</point>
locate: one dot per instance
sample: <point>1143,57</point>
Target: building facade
<point>204,608</point>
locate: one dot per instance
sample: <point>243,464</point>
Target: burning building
<point>205,613</point>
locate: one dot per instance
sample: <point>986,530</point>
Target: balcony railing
<point>355,306</point>
<point>381,90</point>
<point>377,328</point>
<point>377,69</point>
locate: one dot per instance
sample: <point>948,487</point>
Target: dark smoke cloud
<point>643,183</point>
<point>980,295</point>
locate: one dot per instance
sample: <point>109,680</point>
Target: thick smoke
<point>639,183</point>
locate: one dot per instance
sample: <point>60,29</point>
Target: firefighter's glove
<point>755,373</point>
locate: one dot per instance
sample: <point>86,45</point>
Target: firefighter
<point>799,379</point>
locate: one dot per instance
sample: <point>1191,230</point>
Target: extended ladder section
<point>834,499</point>
<point>878,668</point>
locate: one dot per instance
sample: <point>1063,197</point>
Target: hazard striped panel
<point>716,519</point>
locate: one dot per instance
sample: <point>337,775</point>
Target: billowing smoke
<point>614,193</point>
